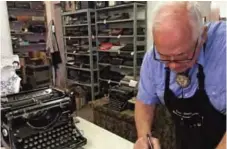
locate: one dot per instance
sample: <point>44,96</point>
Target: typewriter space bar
<point>75,145</point>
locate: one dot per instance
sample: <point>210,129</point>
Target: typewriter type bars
<point>42,126</point>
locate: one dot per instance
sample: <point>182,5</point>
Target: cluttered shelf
<point>77,12</point>
<point>81,83</point>
<point>118,21</point>
<point>78,68</point>
<point>120,6</point>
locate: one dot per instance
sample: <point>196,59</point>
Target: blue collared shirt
<point>213,60</point>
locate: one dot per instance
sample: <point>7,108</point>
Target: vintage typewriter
<point>39,119</point>
<point>119,96</point>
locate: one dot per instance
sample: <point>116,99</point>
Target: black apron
<point>198,124</point>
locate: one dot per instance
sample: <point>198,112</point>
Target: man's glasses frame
<point>176,61</point>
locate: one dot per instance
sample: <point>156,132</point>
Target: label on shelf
<point>132,53</point>
<point>119,36</point>
<point>119,52</point>
<point>109,81</point>
<point>133,83</point>
<point>104,21</point>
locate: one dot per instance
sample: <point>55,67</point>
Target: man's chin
<point>180,70</point>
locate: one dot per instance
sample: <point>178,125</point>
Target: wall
<point>54,13</point>
<point>218,9</point>
<point>6,44</point>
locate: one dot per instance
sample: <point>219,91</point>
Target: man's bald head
<point>182,17</point>
<point>177,31</point>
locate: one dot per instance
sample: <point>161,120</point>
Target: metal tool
<point>150,142</point>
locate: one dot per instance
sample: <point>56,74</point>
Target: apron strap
<point>167,79</point>
<point>201,77</point>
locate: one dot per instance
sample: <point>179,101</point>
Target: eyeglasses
<point>176,59</point>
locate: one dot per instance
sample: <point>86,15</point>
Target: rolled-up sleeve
<point>146,91</point>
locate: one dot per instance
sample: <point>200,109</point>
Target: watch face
<point>182,80</point>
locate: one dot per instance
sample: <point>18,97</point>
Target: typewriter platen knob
<point>19,140</point>
<point>4,132</point>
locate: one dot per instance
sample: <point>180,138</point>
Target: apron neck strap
<point>167,79</point>
<point>201,77</point>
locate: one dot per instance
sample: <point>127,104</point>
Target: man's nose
<point>172,65</point>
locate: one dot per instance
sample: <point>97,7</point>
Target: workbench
<point>123,124</point>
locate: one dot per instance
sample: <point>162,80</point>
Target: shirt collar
<point>201,57</point>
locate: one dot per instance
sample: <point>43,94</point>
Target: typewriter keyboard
<point>61,137</point>
<point>117,105</point>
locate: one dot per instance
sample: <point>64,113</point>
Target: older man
<point>186,71</point>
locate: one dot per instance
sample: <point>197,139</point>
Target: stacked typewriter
<point>39,119</point>
<point>119,96</point>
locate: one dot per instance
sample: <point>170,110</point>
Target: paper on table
<point>132,83</point>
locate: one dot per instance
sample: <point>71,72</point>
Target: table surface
<point>99,138</point>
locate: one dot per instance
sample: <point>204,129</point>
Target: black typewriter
<point>119,96</point>
<point>39,119</point>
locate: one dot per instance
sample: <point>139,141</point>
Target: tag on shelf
<point>109,81</point>
<point>133,83</point>
<point>119,36</point>
<point>132,53</point>
<point>104,21</point>
<point>119,52</point>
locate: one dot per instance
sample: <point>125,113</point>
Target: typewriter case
<point>26,122</point>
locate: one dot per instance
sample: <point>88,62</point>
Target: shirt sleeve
<point>146,92</point>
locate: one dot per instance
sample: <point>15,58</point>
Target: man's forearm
<point>143,118</point>
<point>222,144</point>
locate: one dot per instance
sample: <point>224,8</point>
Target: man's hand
<point>142,143</point>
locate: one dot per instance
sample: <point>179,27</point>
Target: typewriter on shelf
<point>39,119</point>
<point>119,96</point>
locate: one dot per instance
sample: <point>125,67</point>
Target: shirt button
<point>186,95</point>
<point>213,93</point>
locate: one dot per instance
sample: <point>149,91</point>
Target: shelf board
<point>76,37</point>
<point>82,69</point>
<point>120,6</point>
<point>37,66</point>
<point>116,82</point>
<point>119,51</point>
<point>79,83</point>
<point>82,54</point>
<point>117,21</point>
<point>109,81</point>
<point>24,9</point>
<point>120,66</point>
<point>32,46</point>
<point>121,36</point>
<point>78,12</point>
<point>75,25</point>
<point>25,33</point>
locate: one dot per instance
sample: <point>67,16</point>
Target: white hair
<point>195,16</point>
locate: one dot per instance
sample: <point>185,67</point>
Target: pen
<point>149,141</point>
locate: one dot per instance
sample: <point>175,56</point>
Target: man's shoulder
<point>217,29</point>
<point>216,42</point>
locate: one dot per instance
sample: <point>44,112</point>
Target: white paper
<point>132,83</point>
